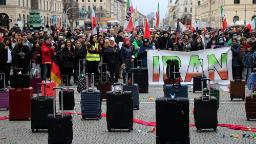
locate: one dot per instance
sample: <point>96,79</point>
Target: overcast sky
<point>147,6</point>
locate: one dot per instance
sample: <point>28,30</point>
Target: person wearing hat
<point>112,58</point>
<point>143,52</point>
<point>164,42</point>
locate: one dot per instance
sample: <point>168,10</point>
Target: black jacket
<point>164,43</point>
<point>20,56</point>
<point>112,55</point>
<point>68,58</point>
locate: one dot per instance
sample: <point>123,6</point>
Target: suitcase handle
<point>62,82</point>
<point>41,84</point>
<point>79,66</point>
<point>62,107</point>
<point>3,76</point>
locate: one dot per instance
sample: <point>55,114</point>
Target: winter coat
<point>164,43</point>
<point>235,55</point>
<point>126,55</point>
<point>143,54</point>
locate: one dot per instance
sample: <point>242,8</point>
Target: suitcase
<point>141,78</point>
<point>172,120</point>
<point>50,91</point>
<point>68,97</point>
<point>134,88</point>
<point>4,94</point>
<point>197,84</point>
<point>90,101</point>
<point>104,84</point>
<point>216,93</point>
<point>250,107</point>
<point>205,112</point>
<point>20,81</point>
<point>60,130</point>
<point>41,107</point>
<point>119,110</point>
<point>180,90</point>
<point>20,103</point>
<point>237,89</point>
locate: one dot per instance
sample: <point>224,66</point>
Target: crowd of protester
<point>118,49</point>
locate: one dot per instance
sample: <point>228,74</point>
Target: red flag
<point>249,27</point>
<point>224,24</point>
<point>146,30</point>
<point>157,16</point>
<point>128,24</point>
<point>94,23</point>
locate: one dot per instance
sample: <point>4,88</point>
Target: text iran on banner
<point>217,64</point>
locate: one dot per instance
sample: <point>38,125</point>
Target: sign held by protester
<point>217,64</point>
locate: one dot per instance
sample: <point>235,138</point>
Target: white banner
<point>217,64</point>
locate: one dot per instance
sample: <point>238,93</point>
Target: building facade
<point>171,14</point>
<point>208,13</point>
<point>183,11</point>
<point>18,11</point>
<point>105,10</point>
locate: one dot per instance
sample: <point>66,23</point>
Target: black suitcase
<point>119,111</point>
<point>134,88</point>
<point>41,107</point>
<point>20,81</point>
<point>173,67</point>
<point>68,99</point>
<point>141,78</point>
<point>197,84</point>
<point>60,130</point>
<point>205,111</point>
<point>172,120</point>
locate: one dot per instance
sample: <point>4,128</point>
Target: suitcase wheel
<point>33,130</point>
<point>109,130</point>
<point>248,119</point>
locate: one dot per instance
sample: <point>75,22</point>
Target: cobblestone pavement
<point>95,132</point>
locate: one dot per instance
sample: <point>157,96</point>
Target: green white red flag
<point>128,24</point>
<point>157,16</point>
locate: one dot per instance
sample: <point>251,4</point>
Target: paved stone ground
<point>95,132</point>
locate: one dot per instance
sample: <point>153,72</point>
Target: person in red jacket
<point>47,52</point>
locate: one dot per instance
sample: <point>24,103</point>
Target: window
<point>235,19</point>
<point>198,3</point>
<point>89,8</point>
<point>253,1</point>
<point>191,10</point>
<point>94,7</point>
<point>94,0</point>
<point>186,10</point>
<point>76,0</point>
<point>23,3</point>
<point>2,2</point>
<point>88,0</point>
<point>82,0</point>
<point>100,0</point>
<point>236,1</point>
<point>101,8</point>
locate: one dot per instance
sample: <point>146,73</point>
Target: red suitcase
<point>20,103</point>
<point>50,91</point>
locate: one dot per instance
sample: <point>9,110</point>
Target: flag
<point>178,31</point>
<point>224,24</point>
<point>128,24</point>
<point>182,27</point>
<point>253,24</point>
<point>146,30</point>
<point>55,73</point>
<point>157,16</point>
<point>94,23</point>
<point>249,27</point>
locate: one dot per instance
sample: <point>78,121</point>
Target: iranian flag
<point>146,30</point>
<point>224,24</point>
<point>94,23</point>
<point>128,24</point>
<point>157,16</point>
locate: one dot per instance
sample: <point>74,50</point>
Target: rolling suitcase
<point>172,120</point>
<point>41,107</point>
<point>237,89</point>
<point>134,88</point>
<point>50,91</point>
<point>20,103</point>
<point>68,98</point>
<point>4,94</point>
<point>250,107</point>
<point>60,130</point>
<point>205,112</point>
<point>140,75</point>
<point>90,101</point>
<point>197,84</point>
<point>119,109</point>
<point>176,89</point>
<point>104,84</point>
